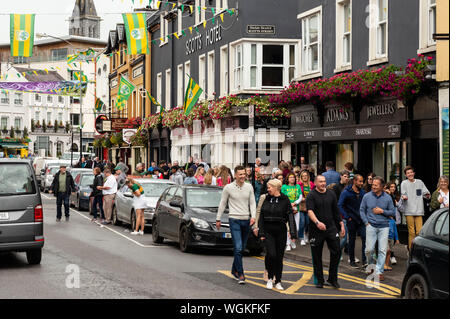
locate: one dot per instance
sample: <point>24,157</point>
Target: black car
<point>81,198</point>
<point>187,215</point>
<point>427,271</point>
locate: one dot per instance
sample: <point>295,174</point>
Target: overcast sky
<point>58,25</point>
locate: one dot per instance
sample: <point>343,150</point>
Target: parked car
<point>21,212</point>
<point>77,171</point>
<point>39,164</point>
<point>123,210</point>
<point>187,215</point>
<point>75,156</point>
<point>47,178</point>
<point>83,190</point>
<point>427,267</point>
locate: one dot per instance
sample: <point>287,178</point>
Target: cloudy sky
<point>52,15</point>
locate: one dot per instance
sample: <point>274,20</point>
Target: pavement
<point>303,254</point>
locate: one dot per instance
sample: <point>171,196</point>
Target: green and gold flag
<point>125,90</point>
<point>136,30</point>
<point>22,34</point>
<point>80,76</point>
<point>193,92</point>
<point>98,105</point>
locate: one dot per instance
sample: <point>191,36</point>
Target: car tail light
<point>38,214</point>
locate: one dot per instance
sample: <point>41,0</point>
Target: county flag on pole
<point>98,105</point>
<point>22,34</point>
<point>136,31</point>
<point>193,92</point>
<point>125,90</point>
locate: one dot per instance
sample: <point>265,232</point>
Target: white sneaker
<point>356,260</point>
<point>134,233</point>
<point>279,286</point>
<point>393,260</point>
<point>141,232</point>
<point>303,243</point>
<point>306,238</point>
<point>342,258</point>
<point>288,247</point>
<point>269,284</point>
<point>293,245</point>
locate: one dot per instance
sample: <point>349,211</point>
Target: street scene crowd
<point>285,206</point>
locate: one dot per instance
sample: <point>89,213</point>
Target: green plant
<point>25,132</point>
<point>67,127</point>
<point>11,132</point>
<point>106,143</point>
<point>55,127</point>
<point>44,126</point>
<point>117,139</point>
<point>32,125</point>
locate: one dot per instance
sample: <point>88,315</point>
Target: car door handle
<point>427,252</point>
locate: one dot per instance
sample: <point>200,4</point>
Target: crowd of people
<point>284,205</point>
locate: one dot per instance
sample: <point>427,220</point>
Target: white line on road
<point>108,228</point>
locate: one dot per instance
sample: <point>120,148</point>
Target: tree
<point>11,132</point>
<point>44,126</point>
<point>25,132</point>
<point>55,128</point>
<point>32,125</point>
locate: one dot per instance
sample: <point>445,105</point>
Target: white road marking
<point>108,228</point>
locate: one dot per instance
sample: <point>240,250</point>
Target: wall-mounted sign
<point>138,71</point>
<point>118,125</point>
<point>201,41</point>
<point>260,29</point>
<point>127,134</point>
<point>114,82</point>
<point>99,127</point>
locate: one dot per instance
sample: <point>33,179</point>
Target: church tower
<point>84,21</point>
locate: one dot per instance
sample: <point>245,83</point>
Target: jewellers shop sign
<point>201,41</point>
<point>386,111</point>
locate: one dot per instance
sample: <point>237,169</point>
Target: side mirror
<point>175,203</point>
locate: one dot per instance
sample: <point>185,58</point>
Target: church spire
<point>84,20</point>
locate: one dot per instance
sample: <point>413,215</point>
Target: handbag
<point>401,206</point>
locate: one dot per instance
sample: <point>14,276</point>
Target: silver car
<point>47,178</point>
<point>124,211</point>
<point>21,212</point>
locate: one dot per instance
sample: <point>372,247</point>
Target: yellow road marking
<point>341,296</point>
<point>299,284</point>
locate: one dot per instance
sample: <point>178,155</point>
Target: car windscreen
<point>154,189</point>
<point>16,179</point>
<point>203,198</point>
<point>87,180</point>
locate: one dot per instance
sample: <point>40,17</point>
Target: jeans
<point>343,241</point>
<point>98,200</point>
<point>372,235</point>
<point>60,198</point>
<point>354,229</point>
<point>303,228</point>
<point>240,230</point>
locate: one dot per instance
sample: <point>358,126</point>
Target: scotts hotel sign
<point>201,41</point>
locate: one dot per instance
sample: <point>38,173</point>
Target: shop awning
<point>13,146</point>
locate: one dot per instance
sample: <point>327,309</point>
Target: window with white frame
<point>61,99</point>
<point>202,75</point>
<point>427,23</point>
<point>179,18</point>
<point>211,75</point>
<point>237,67</point>
<point>4,97</point>
<point>261,66</point>
<point>163,28</point>
<point>378,31</point>
<point>224,71</point>
<point>49,99</point>
<point>49,117</point>
<point>168,88</point>
<point>37,115</point>
<point>4,123</point>
<point>200,14</point>
<point>221,5</point>
<point>187,73</point>
<point>343,33</point>
<point>180,81</point>
<point>18,98</point>
<point>37,98</point>
<point>159,89</point>
<point>311,41</point>
<point>60,118</point>
<point>17,123</point>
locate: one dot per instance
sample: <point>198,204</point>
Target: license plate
<point>226,235</point>
<point>4,216</point>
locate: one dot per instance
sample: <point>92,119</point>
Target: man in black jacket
<point>324,225</point>
<point>62,186</point>
<point>97,194</point>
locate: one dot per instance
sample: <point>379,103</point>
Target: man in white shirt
<point>109,190</point>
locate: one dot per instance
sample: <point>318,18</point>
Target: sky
<point>57,25</point>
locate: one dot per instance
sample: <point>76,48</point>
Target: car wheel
<point>155,233</point>
<point>34,256</point>
<point>115,219</point>
<point>416,287</point>
<point>79,205</point>
<point>184,240</point>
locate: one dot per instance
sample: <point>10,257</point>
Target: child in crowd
<point>393,240</point>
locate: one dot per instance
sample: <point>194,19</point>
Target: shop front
<point>10,147</point>
<point>160,145</point>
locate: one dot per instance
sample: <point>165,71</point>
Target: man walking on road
<point>349,204</point>
<point>62,186</point>
<point>109,193</point>
<point>325,222</point>
<point>376,208</point>
<point>241,201</point>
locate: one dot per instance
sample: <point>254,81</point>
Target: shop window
<point>344,155</point>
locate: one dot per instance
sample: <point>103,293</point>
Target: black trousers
<point>276,236</point>
<point>316,240</point>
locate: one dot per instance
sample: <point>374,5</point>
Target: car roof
<point>14,160</point>
<point>200,186</point>
<point>153,180</point>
